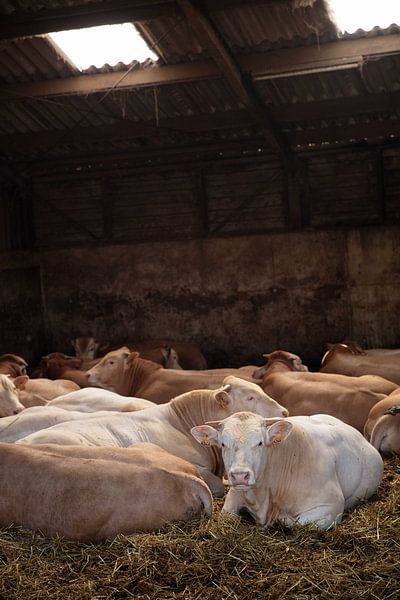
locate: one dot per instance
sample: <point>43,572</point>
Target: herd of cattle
<point>120,440</point>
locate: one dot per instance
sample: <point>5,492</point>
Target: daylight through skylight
<point>365,14</point>
<point>100,45</point>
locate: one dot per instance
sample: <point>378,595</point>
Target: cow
<point>166,425</point>
<point>95,399</point>
<point>382,428</point>
<point>350,359</point>
<point>38,418</point>
<point>37,392</point>
<point>355,348</point>
<point>92,494</point>
<point>57,365</point>
<point>13,365</point>
<point>305,393</point>
<point>126,373</point>
<point>10,403</point>
<point>170,354</point>
<point>297,470</point>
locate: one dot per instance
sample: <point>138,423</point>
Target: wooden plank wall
<point>243,196</point>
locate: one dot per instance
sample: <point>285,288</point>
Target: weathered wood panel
<point>391,183</point>
<point>341,189</point>
<point>67,210</point>
<point>21,313</point>
<point>150,205</point>
<point>16,230</point>
<point>245,199</point>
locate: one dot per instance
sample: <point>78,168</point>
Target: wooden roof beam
<point>110,12</point>
<point>231,71</point>
<point>125,129</point>
<point>23,23</point>
<point>338,107</point>
<point>282,63</point>
<point>348,134</point>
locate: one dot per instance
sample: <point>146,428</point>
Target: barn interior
<point>240,191</point>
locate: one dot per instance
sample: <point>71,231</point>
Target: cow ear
<point>205,435</point>
<point>221,395</point>
<point>259,373</point>
<point>21,381</point>
<point>277,432</point>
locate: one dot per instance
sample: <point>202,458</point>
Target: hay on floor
<point>220,558</point>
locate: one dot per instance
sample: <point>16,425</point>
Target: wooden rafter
<point>231,71</point>
<point>323,110</point>
<point>348,133</point>
<point>24,23</point>
<point>287,62</point>
<point>338,107</point>
<point>125,129</point>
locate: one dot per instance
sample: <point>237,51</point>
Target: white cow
<point>9,400</point>
<point>167,425</point>
<point>37,418</point>
<point>296,470</point>
<point>93,399</point>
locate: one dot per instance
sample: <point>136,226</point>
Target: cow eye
<point>111,362</point>
<point>222,444</point>
<point>259,444</point>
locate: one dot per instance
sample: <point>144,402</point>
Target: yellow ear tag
<point>277,440</point>
<point>222,402</point>
<point>206,441</point>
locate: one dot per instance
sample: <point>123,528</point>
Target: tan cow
<point>57,365</point>
<point>350,359</point>
<point>299,470</point>
<point>304,393</point>
<point>37,392</point>
<point>13,365</point>
<point>167,425</point>
<point>382,428</point>
<point>170,354</point>
<point>128,374</point>
<point>92,494</point>
<point>9,401</point>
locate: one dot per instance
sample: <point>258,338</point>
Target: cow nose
<point>285,413</point>
<point>17,411</point>
<point>239,477</point>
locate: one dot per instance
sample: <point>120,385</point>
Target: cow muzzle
<point>241,480</point>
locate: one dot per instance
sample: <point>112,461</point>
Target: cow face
<point>245,439</point>
<point>108,372</point>
<point>240,394</point>
<point>85,347</point>
<point>385,435</point>
<point>9,401</point>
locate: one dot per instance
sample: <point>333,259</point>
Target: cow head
<point>288,360</point>
<point>52,364</point>
<point>245,439</point>
<point>170,358</point>
<point>19,362</point>
<point>385,435</point>
<point>9,400</point>
<point>239,394</point>
<point>86,347</point>
<point>110,369</point>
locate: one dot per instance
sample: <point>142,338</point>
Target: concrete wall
<point>238,297</point>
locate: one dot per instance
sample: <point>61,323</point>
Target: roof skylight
<point>362,14</point>
<point>100,45</point>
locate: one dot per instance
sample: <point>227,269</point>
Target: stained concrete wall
<point>237,297</point>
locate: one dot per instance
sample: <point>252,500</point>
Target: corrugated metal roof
<point>244,28</point>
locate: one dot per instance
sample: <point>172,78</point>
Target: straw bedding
<point>220,558</point>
